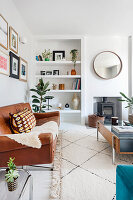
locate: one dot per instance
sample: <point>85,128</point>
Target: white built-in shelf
<point>58,76</point>
<point>62,91</point>
<point>55,62</point>
<point>64,111</point>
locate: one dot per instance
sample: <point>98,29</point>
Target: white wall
<point>95,86</point>
<point>12,90</point>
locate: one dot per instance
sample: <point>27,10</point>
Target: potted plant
<point>46,55</point>
<point>129,105</point>
<point>11,175</point>
<point>74,53</point>
<point>39,101</point>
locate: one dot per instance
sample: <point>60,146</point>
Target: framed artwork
<point>14,65</point>
<point>13,40</point>
<point>43,73</point>
<point>3,32</point>
<point>55,72</point>
<point>4,63</point>
<point>23,69</point>
<point>48,72</point>
<point>58,55</point>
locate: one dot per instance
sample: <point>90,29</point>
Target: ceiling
<point>92,17</point>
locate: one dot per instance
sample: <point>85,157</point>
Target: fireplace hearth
<point>108,107</point>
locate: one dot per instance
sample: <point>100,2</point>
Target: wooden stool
<point>93,119</point>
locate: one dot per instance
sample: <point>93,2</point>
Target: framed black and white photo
<point>23,69</point>
<point>58,55</point>
<point>14,65</point>
<point>13,40</point>
<point>3,32</point>
<point>55,72</point>
<point>48,72</point>
<point>43,73</point>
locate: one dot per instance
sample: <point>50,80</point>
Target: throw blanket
<point>124,182</point>
<point>31,139</point>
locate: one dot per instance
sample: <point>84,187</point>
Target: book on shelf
<point>123,129</point>
<point>76,84</point>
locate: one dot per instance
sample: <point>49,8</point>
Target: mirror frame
<point>94,66</point>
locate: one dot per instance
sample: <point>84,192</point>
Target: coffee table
<point>121,144</point>
<point>23,180</point>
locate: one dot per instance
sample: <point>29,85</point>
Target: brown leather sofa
<point>25,155</point>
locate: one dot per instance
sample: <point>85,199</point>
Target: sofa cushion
<point>23,121</point>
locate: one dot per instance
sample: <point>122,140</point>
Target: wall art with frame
<point>4,63</point>
<point>3,32</point>
<point>58,55</point>
<point>23,69</point>
<point>13,40</point>
<point>14,65</point>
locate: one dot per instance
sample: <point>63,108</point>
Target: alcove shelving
<point>60,96</point>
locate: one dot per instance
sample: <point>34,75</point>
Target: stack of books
<point>123,130</point>
<point>77,84</point>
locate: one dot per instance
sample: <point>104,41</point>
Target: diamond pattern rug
<point>87,172</point>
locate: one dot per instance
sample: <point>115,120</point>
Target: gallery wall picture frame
<point>55,72</point>
<point>23,70</point>
<point>3,32</point>
<point>48,72</point>
<point>58,55</point>
<point>13,40</point>
<point>4,63</point>
<point>14,65</point>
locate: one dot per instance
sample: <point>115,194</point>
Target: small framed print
<point>14,65</point>
<point>48,72</point>
<point>3,32</point>
<point>58,55</point>
<point>43,72</point>
<point>23,69</point>
<point>55,72</point>
<point>4,63</point>
<point>13,40</point>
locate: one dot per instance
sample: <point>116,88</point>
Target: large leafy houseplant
<point>129,105</point>
<point>39,100</point>
<point>11,175</point>
<point>127,99</point>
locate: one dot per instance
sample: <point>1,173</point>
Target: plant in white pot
<point>11,175</point>
<point>129,105</point>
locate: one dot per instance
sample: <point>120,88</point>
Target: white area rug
<point>87,172</point>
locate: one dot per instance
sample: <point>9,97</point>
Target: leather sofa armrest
<point>7,144</point>
<point>46,115</point>
<point>42,118</point>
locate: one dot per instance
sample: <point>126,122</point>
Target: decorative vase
<point>130,118</point>
<point>12,185</point>
<point>46,59</point>
<point>75,101</point>
<point>73,72</point>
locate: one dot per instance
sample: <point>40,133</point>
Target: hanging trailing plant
<point>74,53</point>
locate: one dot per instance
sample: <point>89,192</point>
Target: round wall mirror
<point>107,65</point>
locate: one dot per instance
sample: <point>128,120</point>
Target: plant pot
<point>12,185</point>
<point>130,118</point>
<point>46,59</point>
<point>73,72</point>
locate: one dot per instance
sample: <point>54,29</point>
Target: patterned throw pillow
<point>22,122</point>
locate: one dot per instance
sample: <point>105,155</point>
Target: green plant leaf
<point>122,94</point>
<point>35,101</point>
<point>34,96</point>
